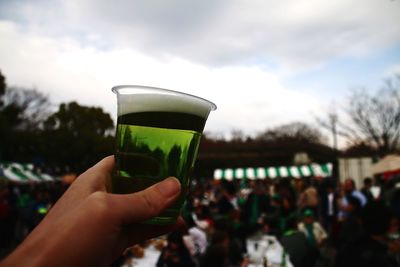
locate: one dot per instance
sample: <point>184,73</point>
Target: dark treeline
<point>72,137</point>
<point>281,150</point>
<point>69,139</point>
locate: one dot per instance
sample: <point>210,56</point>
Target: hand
<point>245,262</point>
<point>90,227</point>
<point>394,246</point>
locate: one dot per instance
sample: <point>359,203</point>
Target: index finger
<point>94,179</point>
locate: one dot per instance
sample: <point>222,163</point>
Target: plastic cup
<point>158,136</point>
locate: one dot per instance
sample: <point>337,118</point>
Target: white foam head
<point>135,98</point>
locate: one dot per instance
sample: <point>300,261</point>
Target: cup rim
<point>135,89</point>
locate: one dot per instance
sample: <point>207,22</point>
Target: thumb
<point>146,204</point>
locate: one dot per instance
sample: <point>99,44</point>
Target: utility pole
<point>333,119</point>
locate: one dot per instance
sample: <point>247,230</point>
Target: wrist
<point>31,252</point>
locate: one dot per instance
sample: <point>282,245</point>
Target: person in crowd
<point>366,190</point>
<point>209,193</point>
<point>227,202</point>
<point>236,240</point>
<point>295,244</point>
<point>228,207</point>
<point>90,227</point>
<point>394,200</point>
<point>394,228</point>
<point>196,239</point>
<point>256,207</point>
<point>274,217</point>
<point>6,214</point>
<point>372,248</point>
<point>312,229</point>
<point>175,254</point>
<point>351,226</point>
<point>329,207</point>
<point>308,199</point>
<point>203,216</point>
<point>217,252</point>
<point>393,237</point>
<point>40,207</point>
<point>25,211</point>
<point>315,235</point>
<point>288,195</point>
<point>288,208</point>
<point>349,190</point>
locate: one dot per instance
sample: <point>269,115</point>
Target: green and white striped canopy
<point>321,170</point>
<point>22,173</point>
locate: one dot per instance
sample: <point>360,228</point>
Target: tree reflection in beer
<point>146,155</point>
<point>174,160</point>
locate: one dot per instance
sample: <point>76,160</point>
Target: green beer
<point>158,135</point>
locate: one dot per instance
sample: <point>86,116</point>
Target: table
<point>151,255</point>
<point>267,248</point>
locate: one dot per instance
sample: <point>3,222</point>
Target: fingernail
<point>169,187</point>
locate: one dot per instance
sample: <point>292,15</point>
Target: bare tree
<point>30,106</point>
<point>372,118</point>
<point>237,136</point>
<point>296,131</point>
<point>3,86</point>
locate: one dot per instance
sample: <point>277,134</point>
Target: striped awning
<point>22,173</point>
<point>321,170</point>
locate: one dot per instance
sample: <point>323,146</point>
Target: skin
<point>308,220</point>
<point>90,227</point>
<point>348,186</point>
<point>348,189</point>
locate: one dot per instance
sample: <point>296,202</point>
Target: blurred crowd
<point>22,207</point>
<point>318,221</point>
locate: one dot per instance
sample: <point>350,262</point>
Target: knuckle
<point>150,204</point>
<point>99,205</point>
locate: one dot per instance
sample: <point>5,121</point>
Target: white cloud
<point>248,98</point>
<point>231,52</point>
<point>294,35</point>
<point>392,71</point>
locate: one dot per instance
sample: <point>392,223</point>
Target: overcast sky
<point>263,62</point>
